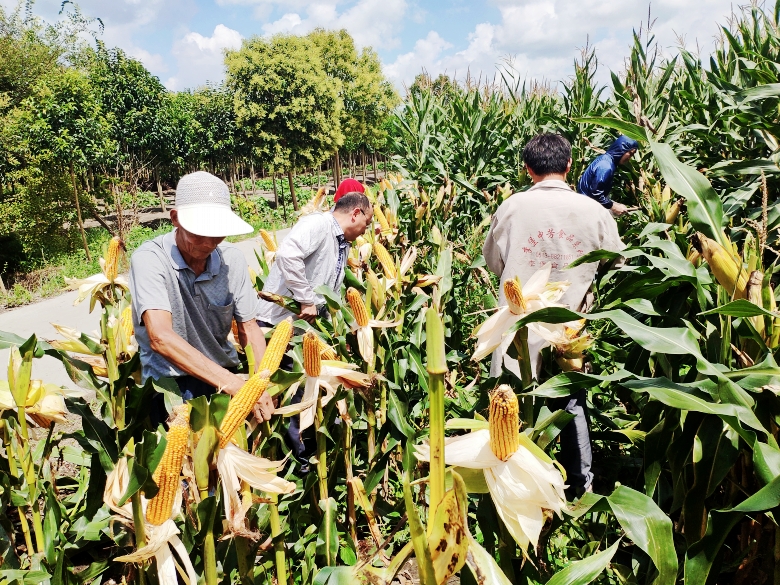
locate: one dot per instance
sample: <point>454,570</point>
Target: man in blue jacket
<point>596,181</point>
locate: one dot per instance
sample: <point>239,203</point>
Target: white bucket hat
<point>203,207</point>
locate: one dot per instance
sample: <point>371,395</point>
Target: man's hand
<point>308,313</point>
<point>618,208</point>
<point>264,407</point>
<point>233,385</point>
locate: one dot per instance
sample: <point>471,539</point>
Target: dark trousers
<point>576,456</point>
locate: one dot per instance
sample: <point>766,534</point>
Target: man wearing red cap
<point>348,186</point>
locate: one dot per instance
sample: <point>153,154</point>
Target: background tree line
<point>84,128</point>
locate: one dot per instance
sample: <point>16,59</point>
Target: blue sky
<point>181,41</point>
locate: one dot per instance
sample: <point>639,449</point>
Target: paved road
<point>38,317</point>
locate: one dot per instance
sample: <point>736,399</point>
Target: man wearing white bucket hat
<point>187,286</point>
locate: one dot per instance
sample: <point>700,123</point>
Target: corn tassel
<point>504,422</point>
<point>358,307</point>
<point>166,476</point>
<point>388,266</point>
<point>725,269</point>
<point>111,266</point>
<point>241,405</point>
<point>312,362</point>
<point>270,245</point>
<point>384,225</point>
<point>126,322</point>
<point>277,346</point>
<point>513,292</point>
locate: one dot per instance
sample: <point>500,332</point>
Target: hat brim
<point>213,221</point>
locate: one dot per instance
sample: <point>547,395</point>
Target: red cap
<point>348,186</point>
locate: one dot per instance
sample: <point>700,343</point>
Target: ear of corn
<point>111,266</point>
<point>126,322</point>
<point>724,267</point>
<point>384,225</point>
<point>673,211</point>
<point>326,351</point>
<point>504,422</point>
<point>166,476</point>
<point>241,405</point>
<point>388,266</point>
<point>277,346</point>
<point>358,307</point>
<point>270,245</point>
<point>753,293</point>
<point>377,292</point>
<point>312,362</point>
<point>514,296</point>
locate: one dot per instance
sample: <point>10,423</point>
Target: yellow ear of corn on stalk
<point>111,264</point>
<point>326,351</point>
<point>724,267</point>
<point>166,476</point>
<point>377,292</point>
<point>269,242</point>
<point>385,259</point>
<point>673,211</point>
<point>753,293</point>
<point>241,405</point>
<point>513,292</point>
<point>312,362</point>
<point>358,307</point>
<point>504,422</point>
<point>380,217</point>
<point>126,322</point>
<point>276,348</point>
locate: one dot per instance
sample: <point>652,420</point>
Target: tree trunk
<point>337,169</point>
<point>335,177</point>
<point>252,176</point>
<point>292,190</point>
<point>280,200</point>
<point>364,164</point>
<point>373,160</point>
<point>78,212</point>
<point>159,189</point>
<point>319,182</point>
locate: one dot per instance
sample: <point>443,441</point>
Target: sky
<point>182,41</point>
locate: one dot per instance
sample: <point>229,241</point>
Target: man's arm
<point>250,334</point>
<point>492,252</point>
<point>174,348</point>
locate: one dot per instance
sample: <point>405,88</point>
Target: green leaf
<point>759,92</point>
<point>705,210</point>
<point>584,571</point>
<point>465,424</point>
<point>649,528</point>
<point>740,308</point>
<point>397,413</point>
<point>483,566</point>
<point>328,536</point>
<point>633,131</point>
<point>567,383</point>
<point>416,528</point>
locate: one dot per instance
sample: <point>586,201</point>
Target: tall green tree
<point>285,101</point>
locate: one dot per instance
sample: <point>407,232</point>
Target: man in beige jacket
<point>551,223</point>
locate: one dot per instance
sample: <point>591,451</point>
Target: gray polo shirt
<point>202,307</point>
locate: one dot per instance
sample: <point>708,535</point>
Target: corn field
<point>419,453</point>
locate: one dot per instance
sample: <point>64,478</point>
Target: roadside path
<point>38,317</point>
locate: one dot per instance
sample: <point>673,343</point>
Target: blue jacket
<point>596,181</point>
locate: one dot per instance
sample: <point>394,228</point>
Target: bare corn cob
<point>514,296</point>
<point>270,245</point>
<point>504,422</point>
<point>385,259</point>
<point>241,405</point>
<point>384,225</point>
<point>312,362</point>
<point>358,307</point>
<point>276,347</point>
<point>111,266</point>
<point>166,476</point>
<point>126,322</point>
<point>725,269</point>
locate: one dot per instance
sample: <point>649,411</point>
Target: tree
<point>285,101</point>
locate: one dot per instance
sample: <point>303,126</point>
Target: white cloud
<point>201,59</point>
<point>543,37</point>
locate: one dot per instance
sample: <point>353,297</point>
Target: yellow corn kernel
<point>504,422</point>
<point>270,245</point>
<point>380,217</point>
<point>276,348</point>
<point>111,266</point>
<point>312,362</point>
<point>326,351</point>
<point>385,259</point>
<point>166,476</point>
<point>358,307</point>
<point>725,269</point>
<point>126,322</point>
<point>241,405</point>
<point>513,292</point>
